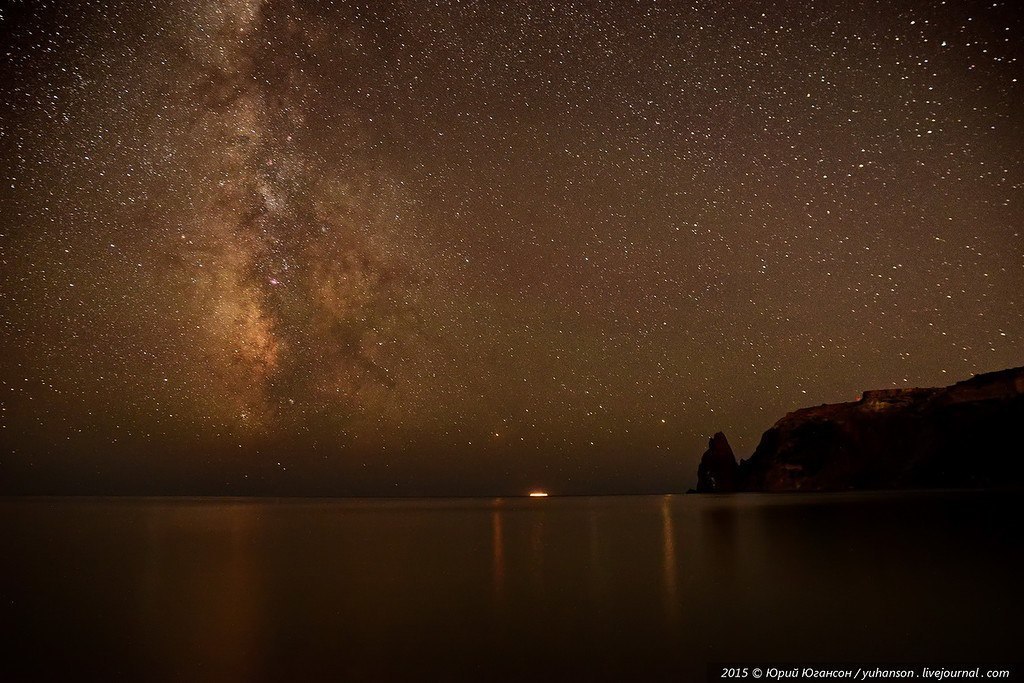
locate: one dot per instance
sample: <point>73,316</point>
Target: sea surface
<point>609,588</point>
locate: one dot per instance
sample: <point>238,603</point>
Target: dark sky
<point>262,246</point>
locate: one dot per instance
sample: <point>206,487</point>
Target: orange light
<point>538,494</point>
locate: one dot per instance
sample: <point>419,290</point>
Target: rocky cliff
<point>718,471</point>
<point>967,435</point>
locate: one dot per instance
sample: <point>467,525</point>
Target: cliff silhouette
<point>967,435</point>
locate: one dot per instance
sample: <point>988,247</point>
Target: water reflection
<point>498,550</point>
<point>720,529</point>
<point>536,517</point>
<point>633,588</point>
<point>202,582</point>
<point>670,567</point>
<point>596,566</point>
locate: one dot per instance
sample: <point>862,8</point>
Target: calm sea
<point>610,588</point>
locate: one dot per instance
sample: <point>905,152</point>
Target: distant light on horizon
<point>538,494</point>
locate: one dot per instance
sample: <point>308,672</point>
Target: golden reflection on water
<point>574,588</point>
<point>219,596</point>
<point>595,564</point>
<point>537,547</point>
<point>498,550</point>
<point>670,568</point>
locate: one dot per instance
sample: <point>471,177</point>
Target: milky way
<point>456,247</point>
<point>306,272</point>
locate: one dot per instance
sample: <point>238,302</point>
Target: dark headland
<point>967,435</point>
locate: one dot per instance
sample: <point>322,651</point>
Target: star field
<point>461,247</point>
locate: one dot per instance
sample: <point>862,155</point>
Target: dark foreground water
<point>621,588</point>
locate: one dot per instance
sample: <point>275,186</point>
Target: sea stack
<point>967,435</point>
<point>718,471</point>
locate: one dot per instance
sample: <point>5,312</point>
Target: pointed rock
<point>718,471</point>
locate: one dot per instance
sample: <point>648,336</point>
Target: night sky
<point>261,246</point>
